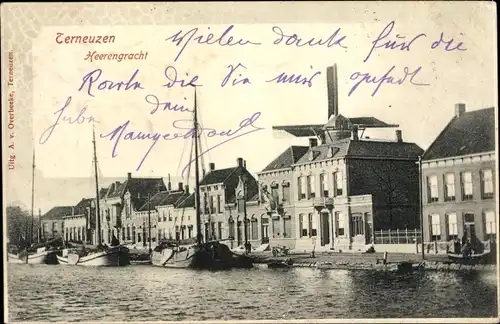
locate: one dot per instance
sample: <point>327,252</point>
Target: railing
<point>398,236</point>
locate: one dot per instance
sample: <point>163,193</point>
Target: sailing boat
<point>211,255</point>
<point>100,255</point>
<point>34,253</point>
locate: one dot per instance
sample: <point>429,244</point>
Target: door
<point>239,233</point>
<point>469,227</point>
<point>325,228</point>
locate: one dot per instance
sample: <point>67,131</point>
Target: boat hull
<point>210,257</point>
<point>45,257</point>
<point>111,257</point>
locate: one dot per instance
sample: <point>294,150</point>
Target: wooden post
<point>389,236</point>
<point>406,235</point>
<point>435,247</point>
<point>397,235</point>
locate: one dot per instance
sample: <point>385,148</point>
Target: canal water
<point>146,293</point>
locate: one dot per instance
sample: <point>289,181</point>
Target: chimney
<point>211,166</point>
<point>245,164</point>
<point>459,109</point>
<point>129,176</point>
<point>313,142</point>
<point>239,162</point>
<point>355,136</point>
<point>181,186</point>
<point>117,183</point>
<point>332,88</point>
<point>399,136</point>
<point>186,189</point>
<point>169,185</point>
<point>322,137</point>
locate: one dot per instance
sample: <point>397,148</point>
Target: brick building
<point>223,208</point>
<point>120,202</point>
<point>52,222</point>
<point>458,173</point>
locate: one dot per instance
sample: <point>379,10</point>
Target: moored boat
<point>101,256</point>
<point>42,256</point>
<point>210,255</point>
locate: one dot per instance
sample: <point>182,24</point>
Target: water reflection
<point>136,293</point>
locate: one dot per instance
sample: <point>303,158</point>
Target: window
<point>276,228</point>
<point>435,227</point>
<point>338,184</point>
<point>211,204</point>
<point>286,192</point>
<point>302,230</point>
<point>467,186</point>
<point>323,183</point>
<point>301,182</point>
<point>255,229</point>
<point>231,228</point>
<point>449,187</point>
<point>340,224</point>
<point>265,230</point>
<point>123,234</point>
<point>490,223</point>
<point>311,187</point>
<point>452,225</point>
<point>275,193</point>
<point>432,189</point>
<point>219,210</point>
<point>287,227</point>
<point>219,230</point>
<point>190,232</point>
<point>487,183</point>
<point>357,226</point>
<point>312,226</point>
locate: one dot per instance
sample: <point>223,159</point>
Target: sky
<point>64,166</point>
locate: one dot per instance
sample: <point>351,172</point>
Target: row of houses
<point>335,193</point>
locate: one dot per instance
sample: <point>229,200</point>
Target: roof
<point>81,207</point>
<point>362,148</point>
<point>138,187</point>
<point>102,192</point>
<point>163,198</point>
<point>58,212</point>
<point>286,159</point>
<point>471,133</point>
<point>217,176</point>
<point>186,202</point>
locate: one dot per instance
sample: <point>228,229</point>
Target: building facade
<point>228,199</point>
<point>52,222</point>
<point>120,203</point>
<point>339,192</point>
<point>458,176</point>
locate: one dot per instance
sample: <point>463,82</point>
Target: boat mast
<point>196,171</point>
<point>97,215</point>
<point>32,196</point>
<point>39,225</point>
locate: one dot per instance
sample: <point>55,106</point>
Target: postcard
<point>250,162</point>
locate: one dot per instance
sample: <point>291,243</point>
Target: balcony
<point>323,202</point>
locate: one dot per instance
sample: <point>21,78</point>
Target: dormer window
<point>311,155</point>
<point>332,151</point>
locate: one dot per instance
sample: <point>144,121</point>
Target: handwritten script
<point>239,74</point>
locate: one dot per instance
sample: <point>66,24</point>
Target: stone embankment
<point>344,261</point>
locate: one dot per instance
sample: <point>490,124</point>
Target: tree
<point>19,225</point>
